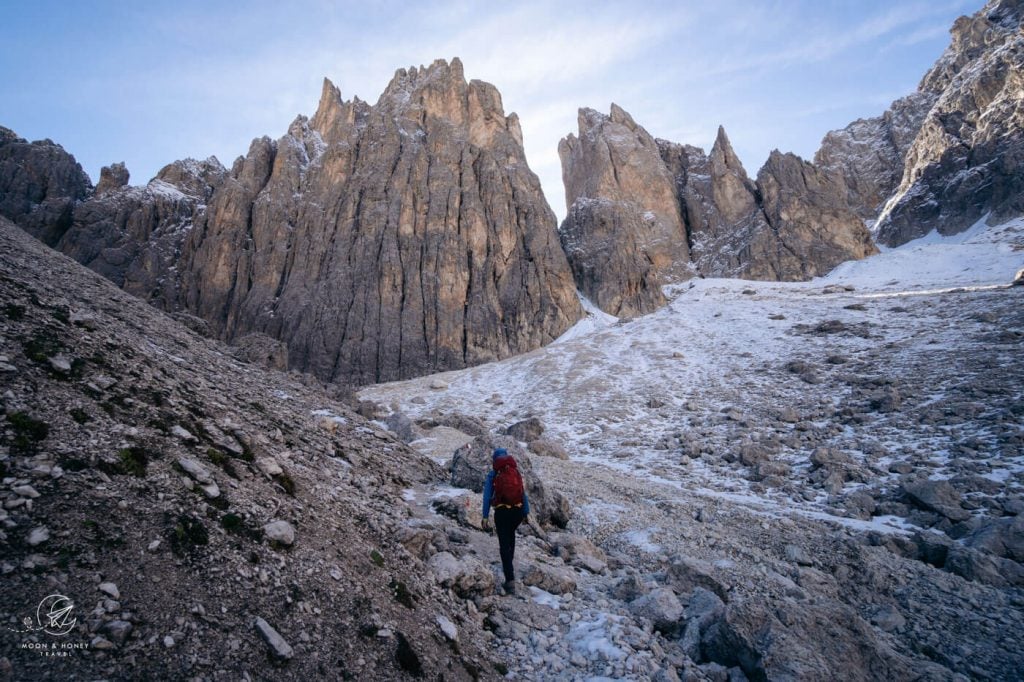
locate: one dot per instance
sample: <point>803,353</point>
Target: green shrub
<point>28,431</point>
<point>133,461</point>
<point>14,312</point>
<point>79,415</point>
<point>401,593</point>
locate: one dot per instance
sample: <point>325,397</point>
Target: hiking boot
<point>510,587</point>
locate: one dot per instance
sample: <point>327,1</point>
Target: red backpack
<point>508,483</point>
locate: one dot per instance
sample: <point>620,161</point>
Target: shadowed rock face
<point>388,241</point>
<point>967,159</point>
<point>728,232</point>
<point>112,177</point>
<point>950,153</point>
<point>39,185</point>
<point>645,213</point>
<point>868,154</point>
<point>133,235</point>
<point>815,229</point>
<point>378,242</point>
<point>623,233</point>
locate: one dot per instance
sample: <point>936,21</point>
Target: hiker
<point>504,490</point>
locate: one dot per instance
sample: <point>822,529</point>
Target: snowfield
<point>728,362</point>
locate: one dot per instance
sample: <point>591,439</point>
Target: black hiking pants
<point>506,520</point>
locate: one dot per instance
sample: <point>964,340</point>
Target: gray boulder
<point>467,577</point>
<point>527,430</point>
<point>975,566</point>
<point>686,573</point>
<point>401,426</point>
<point>661,607</point>
<point>280,532</point>
<point>577,550</point>
<point>545,447</point>
<point>259,349</point>
<point>553,579</point>
<point>278,646</point>
<point>703,608</point>
<point>937,496</point>
<point>1001,537</point>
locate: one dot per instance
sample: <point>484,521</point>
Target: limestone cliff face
<point>39,185</point>
<point>644,213</point>
<point>623,233</point>
<point>967,160</point>
<point>950,153</point>
<point>378,242</point>
<point>728,232</point>
<point>815,228</point>
<point>133,236</point>
<point>868,155</point>
<point>387,241</point>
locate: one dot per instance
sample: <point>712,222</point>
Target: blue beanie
<point>499,452</point>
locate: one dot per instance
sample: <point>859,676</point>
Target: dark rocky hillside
<point>177,496</point>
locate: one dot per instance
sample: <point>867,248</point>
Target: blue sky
<point>148,83</point>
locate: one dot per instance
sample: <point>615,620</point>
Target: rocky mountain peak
<point>645,212</point>
<point>335,119</point>
<point>409,87</point>
<point>39,185</point>
<point>112,177</point>
<point>376,242</point>
<point>973,36</point>
<point>619,115</point>
<point>623,234</point>
<point>193,177</point>
<point>418,98</point>
<point>945,156</point>
<point>732,190</point>
<point>722,152</point>
<point>964,162</point>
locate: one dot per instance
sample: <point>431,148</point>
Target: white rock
<point>211,490</point>
<point>110,589</point>
<point>25,491</point>
<point>101,643</point>
<point>279,647</point>
<point>467,576</point>
<point>269,466</point>
<point>182,433</point>
<point>195,469</point>
<point>83,318</point>
<point>38,536</point>
<point>60,363</point>
<point>438,385</point>
<point>448,628</point>
<point>168,641</point>
<point>103,382</point>
<point>153,546</point>
<point>280,531</point>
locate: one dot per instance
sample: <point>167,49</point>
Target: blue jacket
<point>489,490</point>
